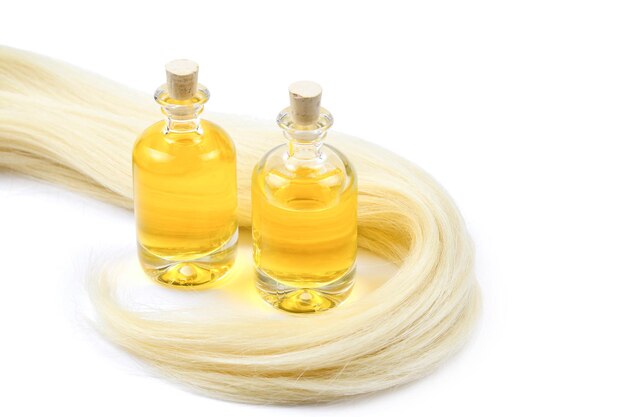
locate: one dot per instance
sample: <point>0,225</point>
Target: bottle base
<point>304,300</point>
<point>190,273</point>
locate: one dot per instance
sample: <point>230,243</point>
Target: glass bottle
<point>304,212</point>
<point>185,187</point>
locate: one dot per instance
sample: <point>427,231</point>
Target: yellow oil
<point>185,202</point>
<point>305,234</point>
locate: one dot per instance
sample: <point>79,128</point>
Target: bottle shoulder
<point>331,160</point>
<point>209,141</point>
<point>280,176</point>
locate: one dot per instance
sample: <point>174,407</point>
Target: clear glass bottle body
<point>185,192</point>
<point>304,221</point>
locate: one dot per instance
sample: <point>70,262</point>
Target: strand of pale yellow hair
<point>67,126</point>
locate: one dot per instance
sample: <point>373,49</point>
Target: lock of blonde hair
<point>64,125</point>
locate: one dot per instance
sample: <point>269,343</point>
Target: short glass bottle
<point>304,213</point>
<point>185,188</point>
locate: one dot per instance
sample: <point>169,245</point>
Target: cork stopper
<point>305,97</point>
<point>182,79</point>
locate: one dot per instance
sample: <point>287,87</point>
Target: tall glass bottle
<point>185,187</point>
<point>304,212</point>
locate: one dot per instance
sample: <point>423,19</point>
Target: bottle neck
<point>305,148</point>
<point>183,120</point>
<point>305,142</point>
<point>182,116</point>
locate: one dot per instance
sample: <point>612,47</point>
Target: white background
<point>517,108</point>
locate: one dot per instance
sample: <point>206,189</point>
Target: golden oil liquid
<point>305,235</point>
<point>185,202</point>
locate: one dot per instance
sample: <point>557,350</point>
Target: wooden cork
<point>305,98</point>
<point>182,79</point>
